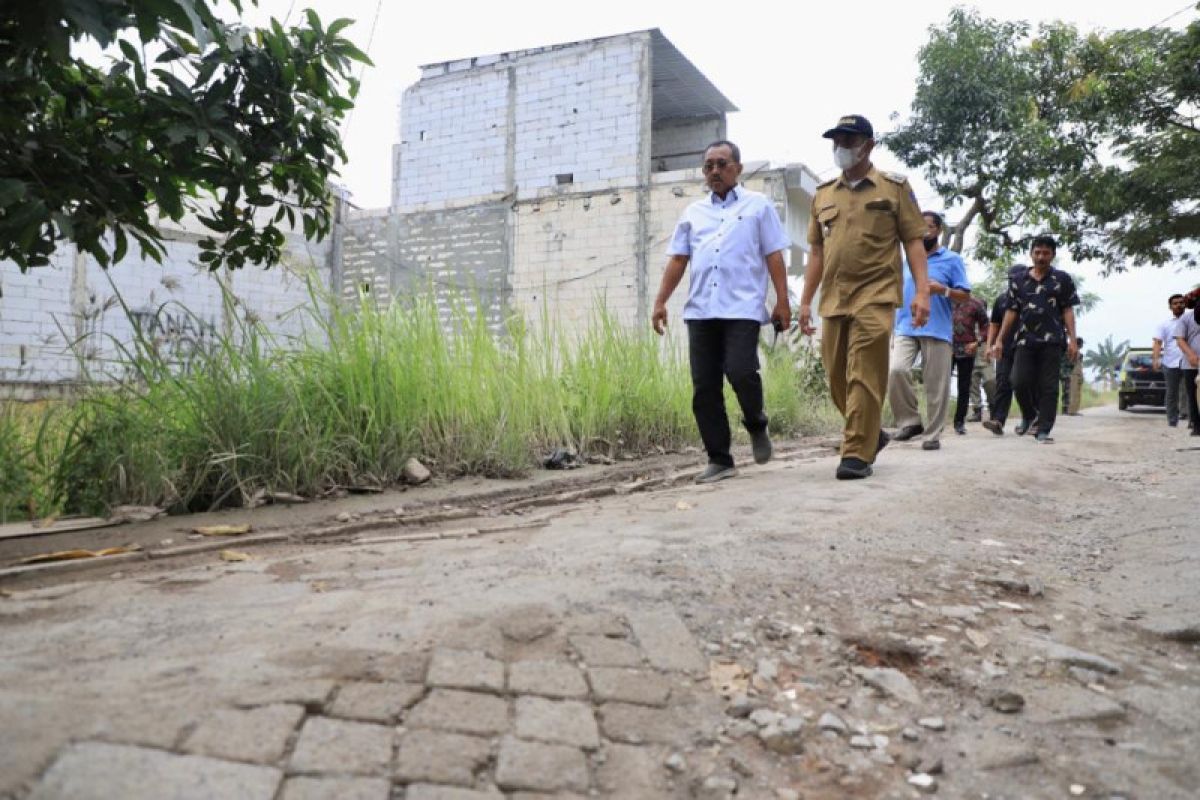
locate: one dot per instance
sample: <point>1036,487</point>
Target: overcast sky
<point>792,71</point>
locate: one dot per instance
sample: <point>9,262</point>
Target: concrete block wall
<point>33,348</point>
<point>453,138</point>
<point>516,122</point>
<point>61,323</point>
<point>368,249</point>
<point>679,143</point>
<point>578,112</point>
<point>461,255</point>
<point>574,250</point>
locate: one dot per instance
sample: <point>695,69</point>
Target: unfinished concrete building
<point>543,181</point>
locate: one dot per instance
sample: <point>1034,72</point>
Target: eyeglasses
<point>720,163</point>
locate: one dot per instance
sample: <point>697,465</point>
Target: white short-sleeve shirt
<point>1172,356</point>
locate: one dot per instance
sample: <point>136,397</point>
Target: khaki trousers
<point>854,349</point>
<point>936,358</point>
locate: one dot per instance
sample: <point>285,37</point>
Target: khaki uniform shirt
<point>862,230</point>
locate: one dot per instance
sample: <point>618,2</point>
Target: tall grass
<point>350,403</point>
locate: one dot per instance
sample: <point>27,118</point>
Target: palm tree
<point>1106,359</point>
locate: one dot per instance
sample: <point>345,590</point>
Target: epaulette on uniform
<point>895,177</point>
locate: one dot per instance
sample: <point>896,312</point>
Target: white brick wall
<point>453,132</point>
<point>575,111</point>
<point>573,251</point>
<point>44,311</point>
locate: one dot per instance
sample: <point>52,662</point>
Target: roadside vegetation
<point>348,406</point>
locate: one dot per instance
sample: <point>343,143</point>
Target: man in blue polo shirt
<point>735,242</point>
<point>947,281</point>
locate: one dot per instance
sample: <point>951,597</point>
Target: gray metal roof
<point>681,90</point>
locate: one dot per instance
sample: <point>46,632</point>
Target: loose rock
<point>891,682</point>
<point>415,472</point>
<point>932,723</point>
<point>1006,701</point>
<point>924,783</point>
<point>1079,658</point>
<point>832,722</point>
<point>784,737</point>
<point>931,765</point>
<point>715,787</point>
<point>763,717</point>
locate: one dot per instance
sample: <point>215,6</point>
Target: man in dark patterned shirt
<point>1041,301</point>
<point>970,324</point>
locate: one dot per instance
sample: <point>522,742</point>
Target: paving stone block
<point>259,735</point>
<point>621,685</point>
<point>102,771</point>
<point>630,771</point>
<point>632,724</point>
<point>375,702</point>
<point>465,669</point>
<point>557,721</point>
<point>547,678</point>
<point>667,642</point>
<point>304,787</point>
<point>598,623</point>
<point>425,791</point>
<point>461,712</point>
<point>438,757</point>
<point>312,694</point>
<point>341,746</point>
<point>601,651</point>
<point>540,767</point>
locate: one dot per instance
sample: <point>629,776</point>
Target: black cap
<point>851,123</point>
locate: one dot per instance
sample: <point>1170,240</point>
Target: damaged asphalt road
<point>993,619</point>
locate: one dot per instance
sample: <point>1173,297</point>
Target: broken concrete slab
<point>667,642</point>
<point>102,771</point>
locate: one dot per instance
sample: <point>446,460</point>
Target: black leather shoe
<point>976,416</point>
<point>931,444</point>
<point>960,430</point>
<point>853,469</point>
<point>908,432</point>
<point>882,443</point>
<point>1023,427</point>
<point>995,426</point>
<point>760,444</point>
<point>716,472</point>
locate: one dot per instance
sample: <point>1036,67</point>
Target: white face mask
<point>847,157</point>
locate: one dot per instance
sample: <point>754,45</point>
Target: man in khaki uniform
<point>859,220</point>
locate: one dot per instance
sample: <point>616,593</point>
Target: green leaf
<point>11,190</point>
<point>122,244</point>
<point>337,26</point>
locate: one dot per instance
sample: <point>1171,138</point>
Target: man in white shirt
<point>1169,358</point>
<point>734,240</point>
<point>1187,336</point>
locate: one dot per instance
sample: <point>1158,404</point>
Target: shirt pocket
<point>879,218</point>
<point>827,217</point>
